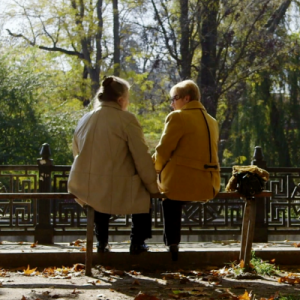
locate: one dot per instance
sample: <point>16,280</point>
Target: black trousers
<point>172,212</point>
<point>140,227</point>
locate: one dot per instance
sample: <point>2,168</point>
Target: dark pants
<point>172,211</point>
<point>140,227</point>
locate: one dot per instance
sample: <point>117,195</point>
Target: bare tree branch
<point>277,16</point>
<point>57,49</point>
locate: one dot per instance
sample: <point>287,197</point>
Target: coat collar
<point>110,104</point>
<point>193,105</point>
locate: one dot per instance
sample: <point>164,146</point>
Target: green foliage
<point>263,267</point>
<point>258,266</point>
<point>256,83</point>
<point>38,105</point>
<point>268,115</point>
<point>20,130</point>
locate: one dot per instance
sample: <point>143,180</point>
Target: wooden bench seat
<point>248,224</point>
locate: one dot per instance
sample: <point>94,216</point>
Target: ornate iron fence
<point>46,218</point>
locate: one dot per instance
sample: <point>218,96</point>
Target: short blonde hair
<point>187,88</point>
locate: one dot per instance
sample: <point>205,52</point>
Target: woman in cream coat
<point>112,170</point>
<point>186,158</point>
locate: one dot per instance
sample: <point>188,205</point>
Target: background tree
<point>117,39</point>
<point>241,54</point>
<point>73,28</point>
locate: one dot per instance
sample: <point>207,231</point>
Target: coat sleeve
<point>141,156</point>
<point>172,133</point>
<point>75,146</point>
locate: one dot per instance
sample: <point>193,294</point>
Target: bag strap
<point>209,142</point>
<point>209,139</point>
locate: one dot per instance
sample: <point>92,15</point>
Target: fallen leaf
<point>20,243</point>
<point>184,281</point>
<point>245,296</point>
<point>142,296</point>
<point>242,264</point>
<point>117,272</point>
<point>34,244</point>
<point>212,278</point>
<point>290,279</point>
<point>77,243</point>
<point>29,272</point>
<point>272,261</point>
<point>83,249</point>
<point>171,276</point>
<point>297,245</point>
<point>49,271</point>
<point>78,267</point>
<point>134,273</point>
<point>24,298</point>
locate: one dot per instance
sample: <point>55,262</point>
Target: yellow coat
<point>186,158</point>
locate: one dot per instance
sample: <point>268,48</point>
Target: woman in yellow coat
<point>186,158</point>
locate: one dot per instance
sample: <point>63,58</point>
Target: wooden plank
<point>250,234</point>
<point>36,196</point>
<point>221,195</point>
<point>244,232</point>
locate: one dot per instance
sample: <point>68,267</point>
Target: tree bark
<point>186,53</point>
<point>117,42</point>
<point>207,75</point>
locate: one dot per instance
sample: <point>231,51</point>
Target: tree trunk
<point>185,49</point>
<point>116,39</point>
<point>95,73</point>
<point>207,75</point>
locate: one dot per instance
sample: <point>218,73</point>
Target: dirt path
<point>107,284</point>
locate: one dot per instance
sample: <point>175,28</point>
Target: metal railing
<point>44,219</point>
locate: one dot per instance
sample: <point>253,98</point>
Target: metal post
<point>44,231</point>
<point>261,226</point>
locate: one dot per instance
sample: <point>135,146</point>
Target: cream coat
<point>185,158</point>
<point>112,170</point>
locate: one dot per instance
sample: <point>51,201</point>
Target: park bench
<point>248,224</point>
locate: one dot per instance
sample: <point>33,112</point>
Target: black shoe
<point>138,248</point>
<point>102,247</point>
<point>174,251</point>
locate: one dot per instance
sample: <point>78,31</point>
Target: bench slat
<point>221,195</point>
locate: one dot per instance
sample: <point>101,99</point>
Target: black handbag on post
<point>249,184</point>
